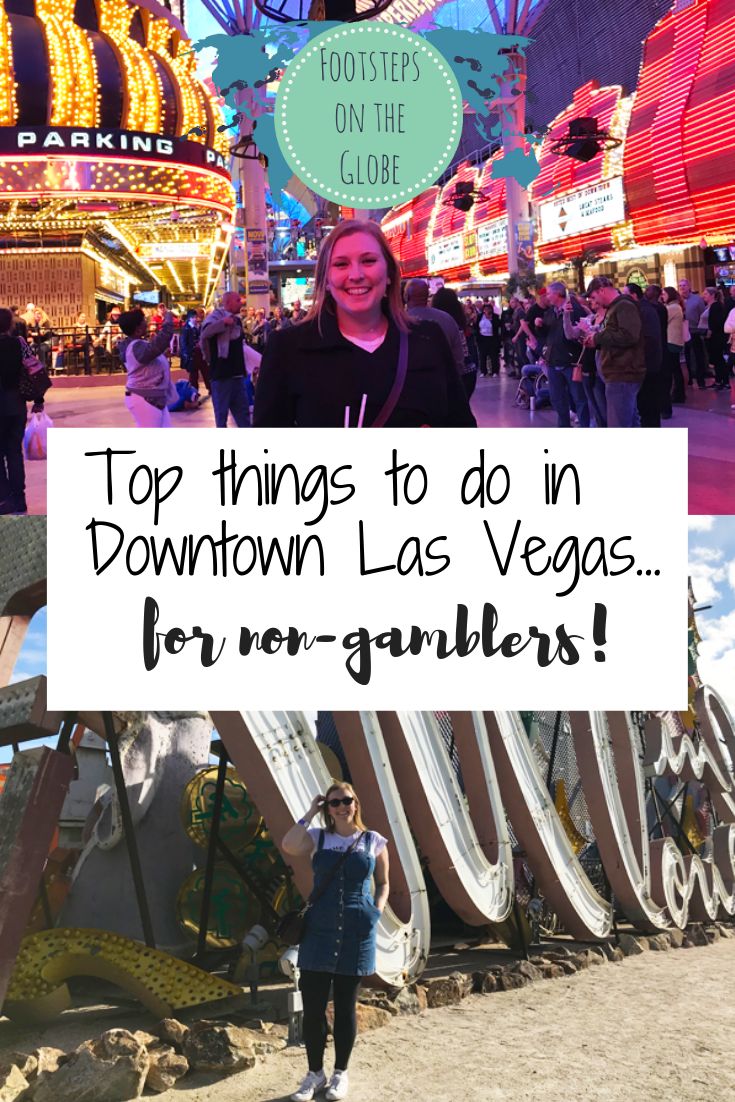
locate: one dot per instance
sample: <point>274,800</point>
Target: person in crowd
<point>445,302</point>
<point>277,322</point>
<point>471,317</point>
<point>12,420</point>
<point>652,295</point>
<point>249,321</point>
<point>694,352</point>
<point>20,327</point>
<point>188,341</point>
<point>565,391</point>
<point>297,313</point>
<point>712,323</point>
<point>417,306</point>
<point>506,335</point>
<point>39,334</point>
<point>675,342</point>
<point>259,331</point>
<point>519,337</point>
<point>488,340</point>
<point>225,350</point>
<point>621,342</point>
<point>110,334</point>
<point>158,316</point>
<point>586,366</point>
<point>339,944</point>
<point>649,395</point>
<point>730,334</point>
<point>535,324</point>
<point>148,388</point>
<point>359,359</point>
<point>34,314</point>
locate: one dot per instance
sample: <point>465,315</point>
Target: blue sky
<point>712,567</point>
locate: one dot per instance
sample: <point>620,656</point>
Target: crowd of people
<point>373,349</point>
<point>619,356</point>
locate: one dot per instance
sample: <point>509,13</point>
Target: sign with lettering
<point>601,205</point>
<point>120,144</point>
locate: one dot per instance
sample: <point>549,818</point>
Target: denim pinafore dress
<point>341,925</point>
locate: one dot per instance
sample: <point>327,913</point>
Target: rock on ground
<point>219,1047</point>
<point>12,1083</point>
<point>166,1066</point>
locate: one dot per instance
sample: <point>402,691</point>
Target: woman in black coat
<point>12,421</point>
<point>345,355</point>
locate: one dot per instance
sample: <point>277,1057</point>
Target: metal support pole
<point>67,730</point>
<point>130,840</point>
<point>212,851</point>
<point>552,755</point>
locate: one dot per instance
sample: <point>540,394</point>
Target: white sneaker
<point>338,1086</point>
<point>315,1081</point>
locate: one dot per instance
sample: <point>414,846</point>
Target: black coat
<point>307,379</point>
<point>11,363</point>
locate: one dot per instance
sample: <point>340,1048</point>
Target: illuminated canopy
<point>679,153</point>
<point>106,131</point>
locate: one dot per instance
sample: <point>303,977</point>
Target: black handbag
<point>290,930</point>
<point>34,379</point>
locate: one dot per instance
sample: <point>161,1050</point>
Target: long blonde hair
<point>392,303</point>
<point>329,823</point>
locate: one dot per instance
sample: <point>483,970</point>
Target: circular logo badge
<point>368,115</point>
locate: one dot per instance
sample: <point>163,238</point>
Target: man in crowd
<point>534,325</point>
<point>417,305</point>
<point>297,314</point>
<point>222,339</point>
<point>694,348</point>
<point>649,395</point>
<point>561,356</point>
<point>621,342</point>
<point>652,295</point>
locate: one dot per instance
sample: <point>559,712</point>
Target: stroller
<point>533,387</point>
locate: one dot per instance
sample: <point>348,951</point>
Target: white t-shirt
<point>374,843</point>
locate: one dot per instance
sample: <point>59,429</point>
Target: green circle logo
<point>368,114</point>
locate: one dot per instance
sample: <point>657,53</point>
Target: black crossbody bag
<point>290,929</point>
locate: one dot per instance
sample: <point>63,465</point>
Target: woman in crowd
<point>712,322</point>
<point>587,365</point>
<point>488,339</point>
<point>148,388</point>
<point>730,332</point>
<point>12,420</point>
<point>674,343</point>
<point>358,359</point>
<point>446,300</point>
<point>338,946</point>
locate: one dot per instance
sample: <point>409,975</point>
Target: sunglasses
<point>345,801</point>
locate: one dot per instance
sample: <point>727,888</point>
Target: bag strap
<point>398,383</point>
<point>325,884</point>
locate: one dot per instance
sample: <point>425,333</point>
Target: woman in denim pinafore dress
<point>338,946</point>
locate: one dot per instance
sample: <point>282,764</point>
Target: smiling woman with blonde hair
<point>357,360</point>
<point>338,945</point>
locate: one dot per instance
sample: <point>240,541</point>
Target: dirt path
<point>655,1028</point>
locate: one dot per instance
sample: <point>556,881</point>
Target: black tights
<point>315,994</point>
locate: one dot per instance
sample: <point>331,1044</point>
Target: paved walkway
<point>707,416</point>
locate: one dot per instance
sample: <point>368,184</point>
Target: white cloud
<point>701,523</point>
<point>716,663</point>
<point>705,554</point>
<point>705,581</point>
